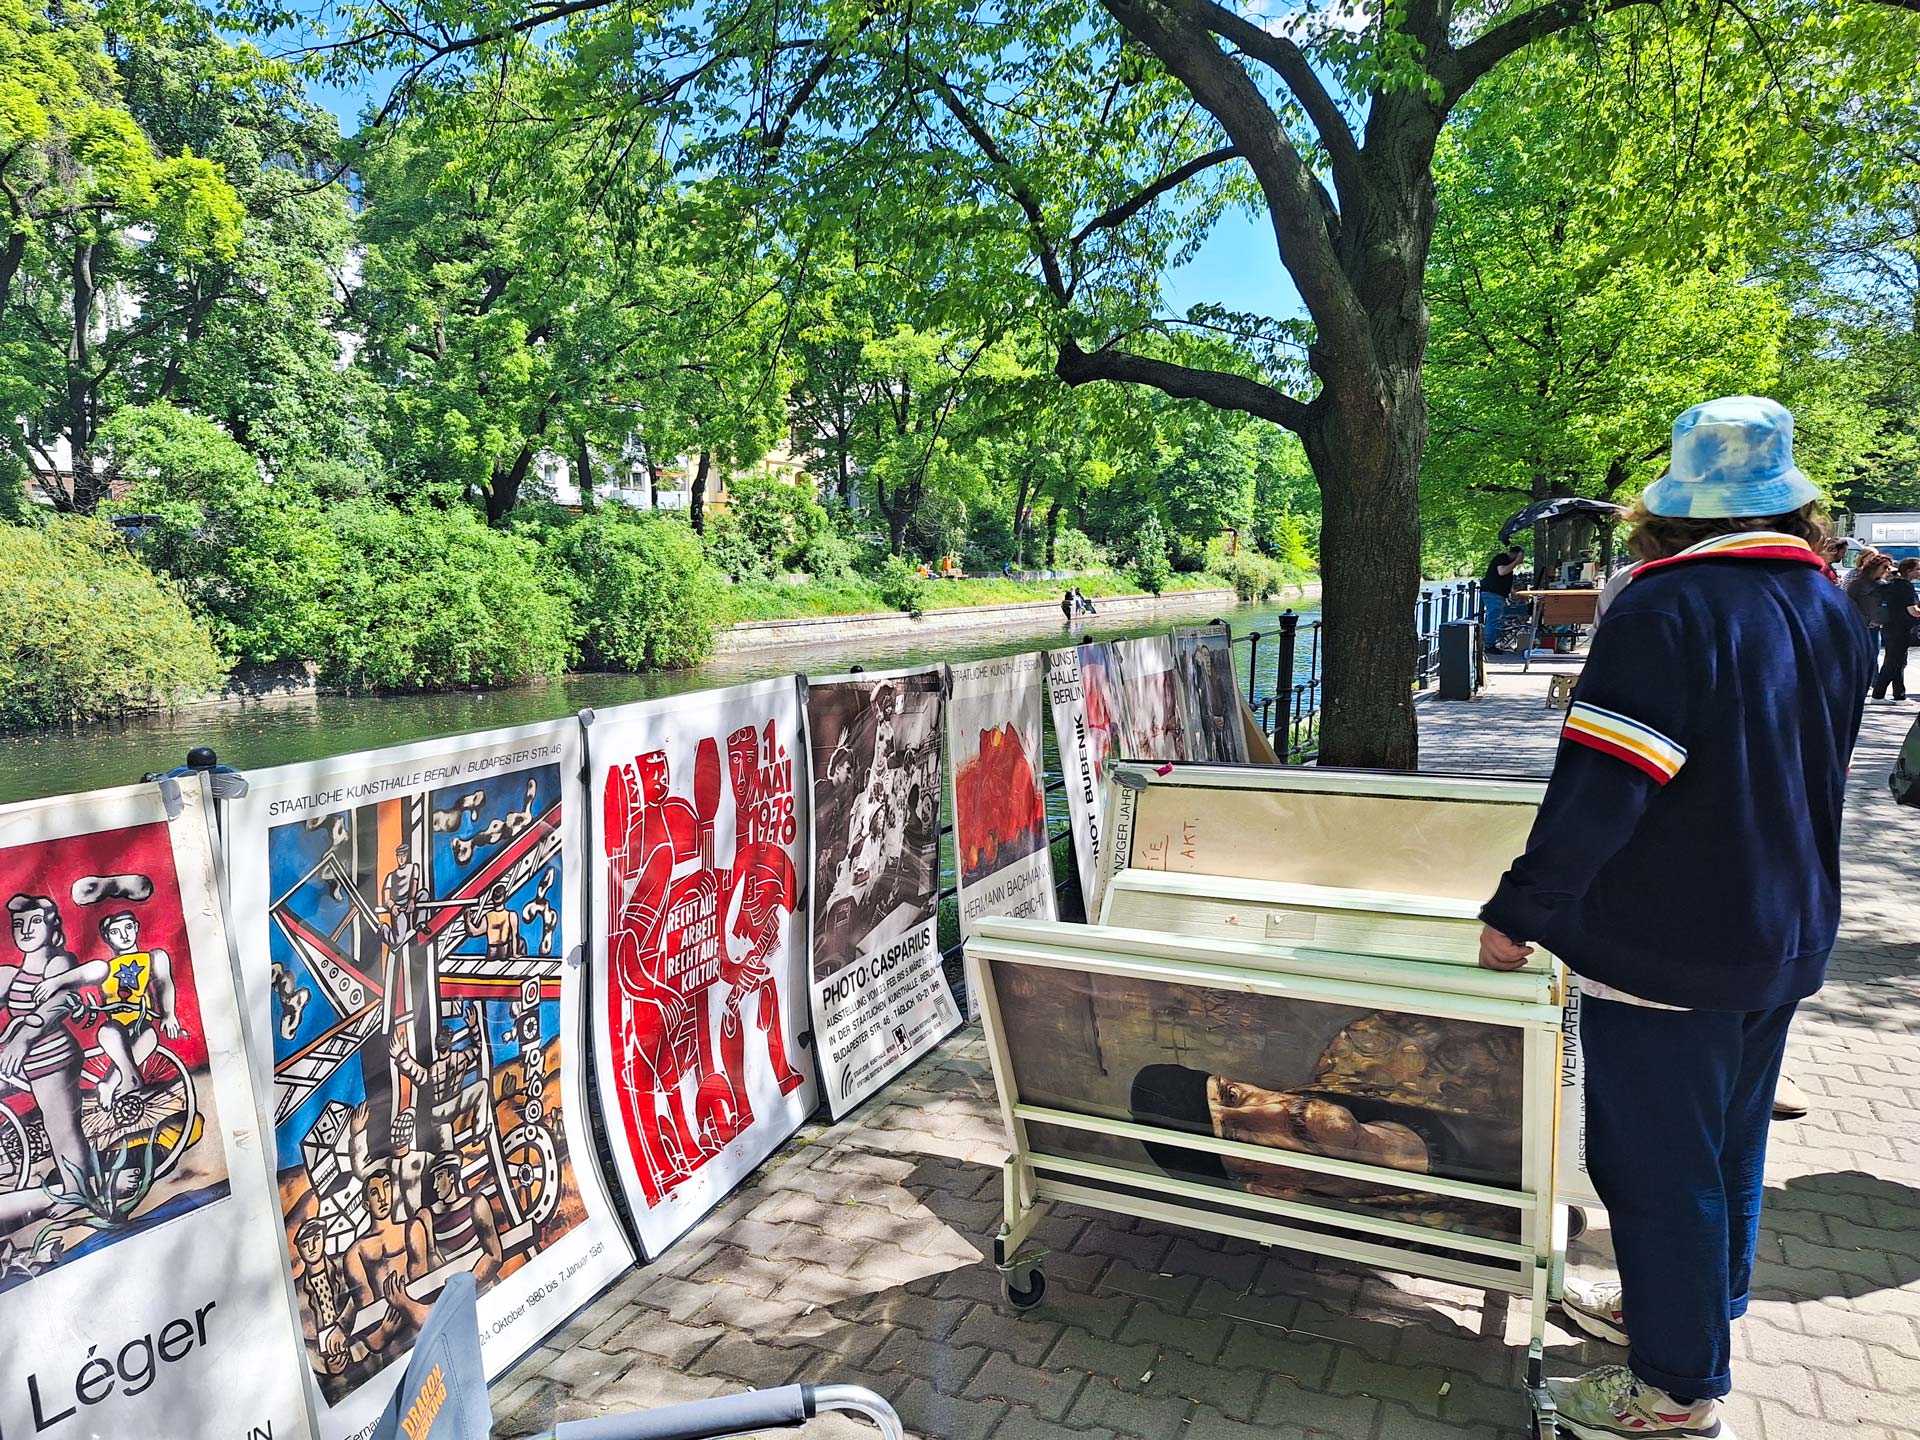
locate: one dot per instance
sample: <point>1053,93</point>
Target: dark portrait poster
<point>406,921</point>
<point>1403,1092</point>
<point>700,884</point>
<point>142,1289</point>
<point>880,997</point>
<point>1209,694</point>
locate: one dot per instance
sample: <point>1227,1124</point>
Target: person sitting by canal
<point>1401,1092</point>
<point>1899,606</point>
<point>1495,586</point>
<point>1685,864</point>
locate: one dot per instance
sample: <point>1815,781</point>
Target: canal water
<point>279,731</point>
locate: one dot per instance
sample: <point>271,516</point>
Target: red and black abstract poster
<point>699,957</point>
<point>1000,846</point>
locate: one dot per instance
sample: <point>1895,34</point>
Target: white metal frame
<point>1528,1001</point>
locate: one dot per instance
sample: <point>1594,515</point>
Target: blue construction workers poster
<point>408,924</point>
<point>140,1286</point>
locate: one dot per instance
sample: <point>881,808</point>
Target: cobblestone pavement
<point>857,1254</point>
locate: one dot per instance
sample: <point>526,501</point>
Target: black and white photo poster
<point>1001,858</point>
<point>1209,694</point>
<point>1083,691</point>
<point>880,998</point>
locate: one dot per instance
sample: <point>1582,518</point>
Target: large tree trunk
<point>1053,529</point>
<point>503,486</point>
<point>697,502</point>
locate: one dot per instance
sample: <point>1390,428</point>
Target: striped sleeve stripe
<point>1611,733</point>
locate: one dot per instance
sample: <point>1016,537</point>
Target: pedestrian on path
<point>1495,586</point>
<point>1685,864</point>
<point>1899,608</point>
<point>1872,569</point>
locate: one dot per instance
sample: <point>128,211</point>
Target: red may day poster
<point>699,962</point>
<point>141,1285</point>
<point>880,997</point>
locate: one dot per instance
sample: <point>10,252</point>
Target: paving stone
<point>1345,1415</point>
<point>946,1367</point>
<point>927,1412</point>
<point>1234,1393</point>
<point>1274,1351</point>
<point>659,1338</point>
<point>1026,1337</point>
<point>1104,1408</point>
<point>1048,1393</point>
<point>1021,1423</point>
<point>1208,1423</point>
<point>1200,1336</point>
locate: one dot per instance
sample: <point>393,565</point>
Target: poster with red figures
<point>880,996</point>
<point>699,956</point>
<point>999,801</point>
<point>1153,727</point>
<point>1083,691</point>
<point>141,1289</point>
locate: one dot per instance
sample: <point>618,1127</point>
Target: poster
<point>1209,694</point>
<point>1001,856</point>
<point>880,996</point>
<point>1152,725</point>
<point>141,1288</point>
<point>407,918</point>
<point>1084,695</point>
<point>699,955</point>
<point>1398,1091</point>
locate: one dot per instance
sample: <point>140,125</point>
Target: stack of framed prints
<point>1357,860</point>
<point>1386,1111</point>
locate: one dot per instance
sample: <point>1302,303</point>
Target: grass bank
<point>775,600</point>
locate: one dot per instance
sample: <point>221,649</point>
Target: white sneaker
<point>1610,1403</point>
<point>1594,1307</point>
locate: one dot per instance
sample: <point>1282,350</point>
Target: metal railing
<point>1440,605</point>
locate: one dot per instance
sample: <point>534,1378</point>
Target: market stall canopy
<point>1558,508</point>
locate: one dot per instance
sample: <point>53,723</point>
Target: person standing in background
<point>1899,608</point>
<point>1685,864</point>
<point>1872,569</point>
<point>1495,586</point>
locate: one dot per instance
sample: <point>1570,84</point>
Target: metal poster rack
<point>1370,908</point>
<point>1053,1161</point>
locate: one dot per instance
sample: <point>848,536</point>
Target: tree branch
<point>1293,194</point>
<point>1132,206</point>
<point>1290,63</point>
<point>1459,69</point>
<point>1218,388</point>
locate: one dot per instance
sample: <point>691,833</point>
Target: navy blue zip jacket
<point>1688,849</point>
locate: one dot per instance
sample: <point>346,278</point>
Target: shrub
<point>900,586</point>
<point>828,556</point>
<point>1253,577</point>
<point>732,552</point>
<point>1292,546</point>
<point>644,596</point>
<point>1074,550</point>
<point>257,562</point>
<point>87,631</point>
<point>778,520</point>
<point>1151,568</point>
<point>432,599</point>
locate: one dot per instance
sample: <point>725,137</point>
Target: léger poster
<point>141,1288</point>
<point>880,997</point>
<point>1083,692</point>
<point>1209,694</point>
<point>1397,1091</point>
<point>408,916</point>
<point>699,954</point>
<point>1001,856</point>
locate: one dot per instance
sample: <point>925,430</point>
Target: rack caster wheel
<point>1576,1222</point>
<point>1031,1296</point>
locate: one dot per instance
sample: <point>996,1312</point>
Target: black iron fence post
<point>1253,664</point>
<point>1283,681</point>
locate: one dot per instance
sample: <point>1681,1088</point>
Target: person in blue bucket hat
<point>1685,864</point>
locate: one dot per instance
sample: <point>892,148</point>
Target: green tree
<point>91,205</point>
<point>257,562</point>
<point>643,595</point>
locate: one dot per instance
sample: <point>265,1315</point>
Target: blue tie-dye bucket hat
<point>1732,458</point>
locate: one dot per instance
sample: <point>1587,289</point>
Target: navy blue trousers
<point>1677,1108</point>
